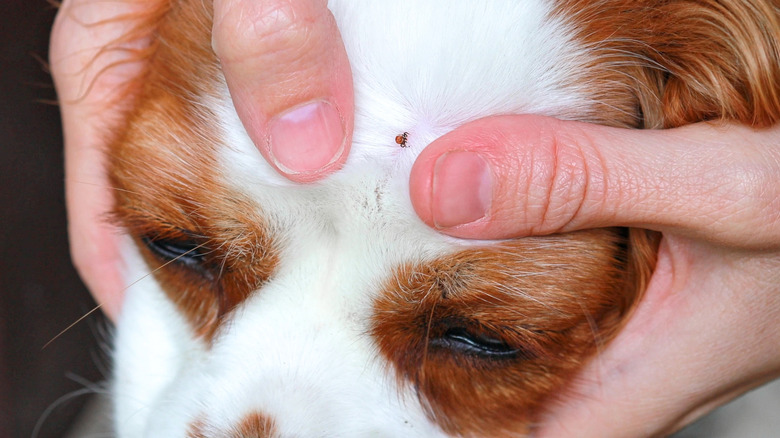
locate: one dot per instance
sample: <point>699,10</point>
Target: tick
<point>401,139</point>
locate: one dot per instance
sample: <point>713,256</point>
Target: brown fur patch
<point>553,301</point>
<point>255,426</point>
<point>164,170</point>
<point>662,63</point>
<point>196,430</point>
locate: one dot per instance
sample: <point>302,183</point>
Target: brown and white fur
<point>278,309</point>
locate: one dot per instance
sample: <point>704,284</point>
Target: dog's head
<point>328,309</point>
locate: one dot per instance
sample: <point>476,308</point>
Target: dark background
<point>40,293</point>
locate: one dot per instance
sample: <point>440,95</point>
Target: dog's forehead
<point>457,72</point>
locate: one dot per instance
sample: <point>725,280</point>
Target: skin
<point>707,328</point>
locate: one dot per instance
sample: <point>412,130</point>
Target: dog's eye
<point>186,252</point>
<point>472,342</point>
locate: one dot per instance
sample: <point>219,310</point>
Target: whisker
<point>427,336</point>
<point>102,186</point>
<point>96,387</point>
<point>228,253</point>
<point>144,277</point>
<point>71,326</point>
<point>57,403</point>
<point>598,340</point>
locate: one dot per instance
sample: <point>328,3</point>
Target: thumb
<point>290,80</point>
<point>514,176</point>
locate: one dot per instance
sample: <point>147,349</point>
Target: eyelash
<point>186,252</point>
<point>461,339</point>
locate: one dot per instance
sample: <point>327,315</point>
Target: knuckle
<point>743,205</point>
<point>573,180</point>
<point>277,28</point>
<point>758,187</point>
<point>279,24</point>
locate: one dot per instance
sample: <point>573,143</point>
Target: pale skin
<point>707,329</point>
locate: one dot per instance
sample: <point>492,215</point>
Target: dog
<point>278,309</point>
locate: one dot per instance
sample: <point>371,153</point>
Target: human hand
<point>707,327</point>
<point>305,68</point>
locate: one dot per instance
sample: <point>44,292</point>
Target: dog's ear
<point>716,60</point>
<point>662,64</point>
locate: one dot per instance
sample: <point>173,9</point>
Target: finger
<point>695,342</point>
<point>90,80</point>
<point>510,176</point>
<point>288,74</point>
<point>95,50</point>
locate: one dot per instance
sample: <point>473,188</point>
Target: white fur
<point>298,349</point>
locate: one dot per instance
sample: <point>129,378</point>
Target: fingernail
<point>306,138</point>
<point>462,189</point>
